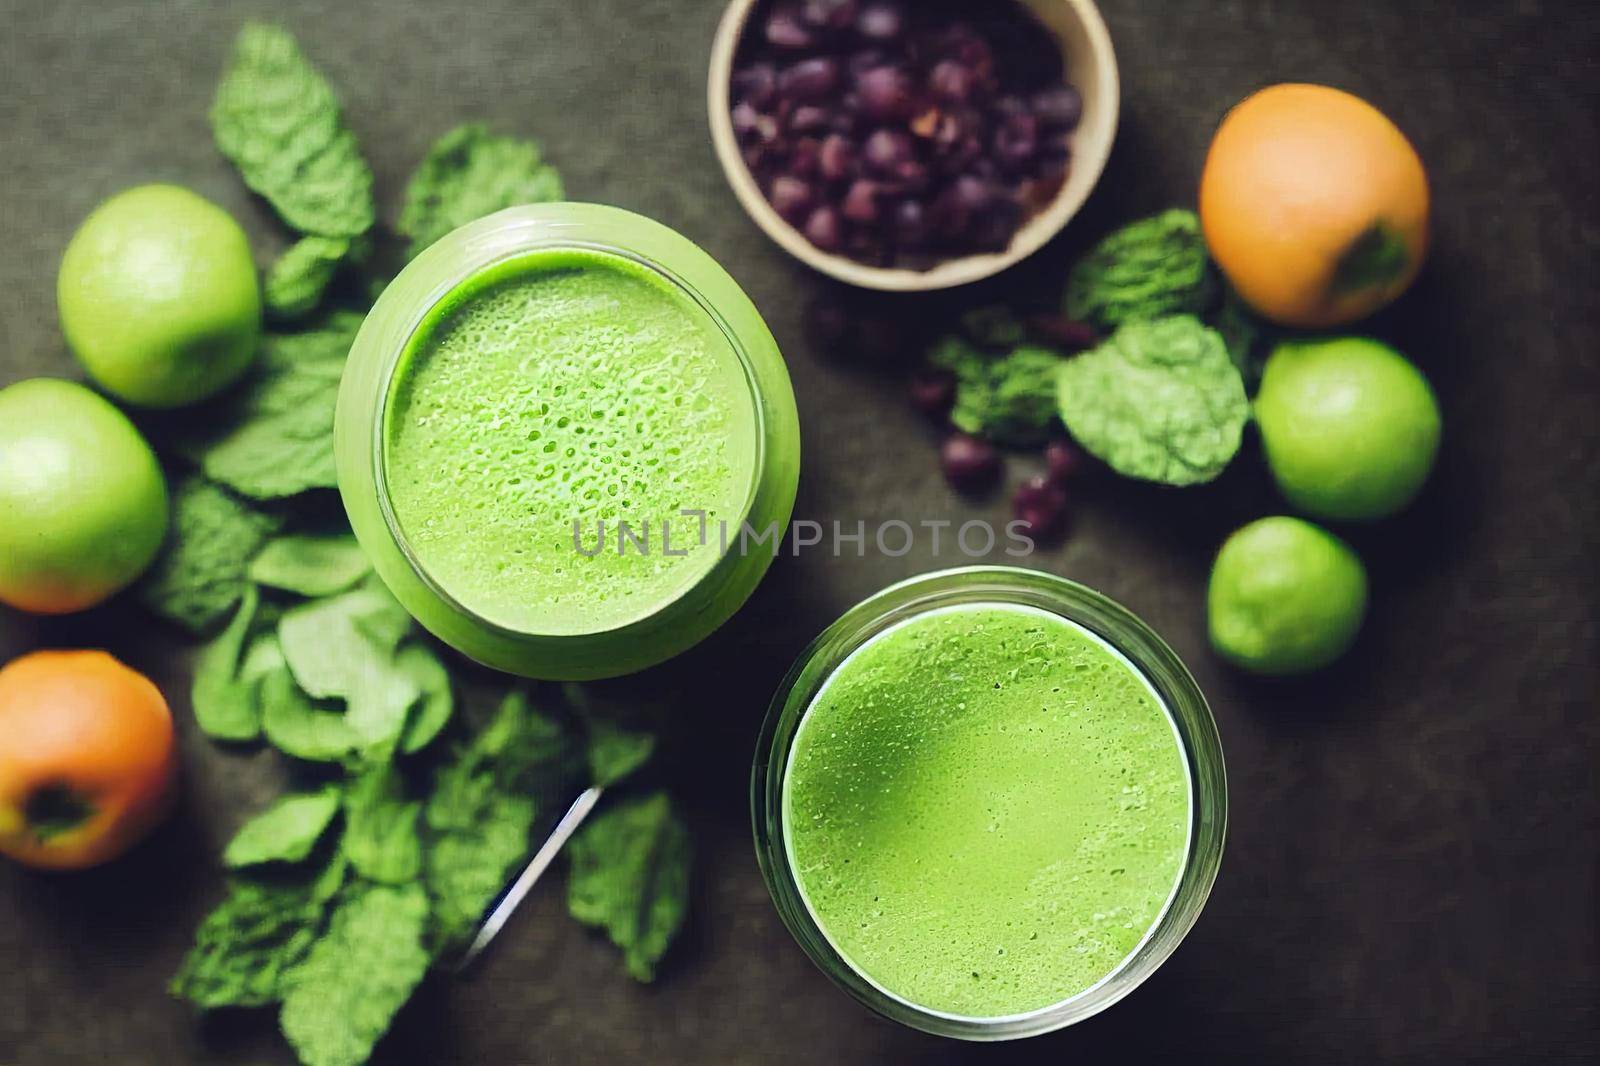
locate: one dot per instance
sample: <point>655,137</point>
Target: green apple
<point>83,502</point>
<point>159,297</point>
<point>1350,428</point>
<point>1286,597</point>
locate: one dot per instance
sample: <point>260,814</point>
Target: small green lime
<point>1286,597</point>
<point>159,297</point>
<point>83,502</point>
<point>1349,426</point>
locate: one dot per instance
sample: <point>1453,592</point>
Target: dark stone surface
<point>1411,871</point>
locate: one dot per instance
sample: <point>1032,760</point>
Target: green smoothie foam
<point>986,809</point>
<point>561,387</point>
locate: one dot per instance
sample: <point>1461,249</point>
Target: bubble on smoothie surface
<point>581,388</point>
<point>987,810</point>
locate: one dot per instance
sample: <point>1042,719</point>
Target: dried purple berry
<point>837,159</point>
<point>1063,461</point>
<point>885,93</point>
<point>810,79</point>
<point>885,150</point>
<point>828,14</point>
<point>970,464</point>
<point>933,392</point>
<point>825,230</point>
<point>785,29</point>
<point>1042,504</point>
<point>1062,333</point>
<point>881,21</point>
<point>756,84</point>
<point>861,202</point>
<point>1059,108</point>
<point>790,197</point>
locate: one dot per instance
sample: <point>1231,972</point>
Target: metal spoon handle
<point>530,874</point>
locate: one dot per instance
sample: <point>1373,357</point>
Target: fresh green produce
<point>346,991</point>
<point>297,281</point>
<point>1010,399</point>
<point>630,877</point>
<point>1350,428</point>
<point>1154,267</point>
<point>201,574</point>
<point>299,726</point>
<point>1160,400</point>
<point>223,694</point>
<point>273,437</point>
<point>158,297</point>
<point>470,173</point>
<point>287,831</point>
<point>310,564</point>
<point>83,502</point>
<point>1285,598</point>
<point>279,122</point>
<point>246,948</point>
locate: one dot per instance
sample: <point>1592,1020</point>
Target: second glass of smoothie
<point>989,802</point>
<point>553,425</point>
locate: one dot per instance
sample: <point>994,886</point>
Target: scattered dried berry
<point>971,465</point>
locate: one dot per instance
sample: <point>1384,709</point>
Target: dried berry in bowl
<point>903,134</point>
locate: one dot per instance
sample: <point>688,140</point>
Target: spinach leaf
<point>297,725</point>
<point>432,712</point>
<point>1010,399</point>
<point>1160,400</point>
<point>287,831</point>
<point>311,564</point>
<point>225,704</point>
<point>380,837</point>
<point>278,120</point>
<point>630,877</point>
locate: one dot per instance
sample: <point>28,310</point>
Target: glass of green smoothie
<point>551,428</point>
<point>989,802</point>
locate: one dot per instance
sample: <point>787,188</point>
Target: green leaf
<point>1249,339</point>
<point>287,831</point>
<point>1159,400</point>
<point>1154,267</point>
<point>299,726</point>
<point>470,173</point>
<point>200,574</point>
<point>343,647</point>
<point>278,120</point>
<point>244,949</point>
<point>225,705</point>
<point>1010,399</point>
<point>612,750</point>
<point>995,327</point>
<point>433,711</point>
<point>380,837</point>
<point>482,810</point>
<point>311,564</point>
<point>344,995</point>
<point>297,281</point>
<point>272,437</point>
<point>630,877</point>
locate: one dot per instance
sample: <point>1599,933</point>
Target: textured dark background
<point>1411,868</point>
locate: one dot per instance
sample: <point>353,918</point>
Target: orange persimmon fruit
<point>1314,205</point>
<point>87,758</point>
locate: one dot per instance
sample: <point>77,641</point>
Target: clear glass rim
<point>1101,616</point>
<point>449,283</point>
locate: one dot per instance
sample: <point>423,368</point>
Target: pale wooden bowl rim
<point>1091,147</point>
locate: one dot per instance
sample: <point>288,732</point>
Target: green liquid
<point>986,810</point>
<point>559,388</point>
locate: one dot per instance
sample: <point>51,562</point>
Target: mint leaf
<point>630,877</point>
<point>297,281</point>
<point>615,753</point>
<point>432,712</point>
<point>1010,399</point>
<point>301,727</point>
<point>470,173</point>
<point>287,831</point>
<point>380,836</point>
<point>1159,400</point>
<point>343,996</point>
<point>344,647</point>
<point>225,705</point>
<point>311,564</point>
<point>244,949</point>
<point>273,435</point>
<point>1154,267</point>
<point>278,120</point>
<point>200,574</point>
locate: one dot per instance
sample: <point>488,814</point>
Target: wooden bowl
<point>1091,67</point>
